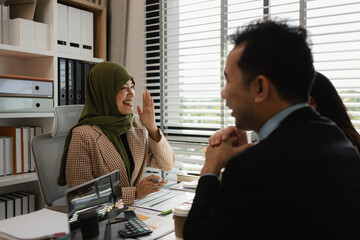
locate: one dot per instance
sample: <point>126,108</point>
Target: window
<point>186,53</point>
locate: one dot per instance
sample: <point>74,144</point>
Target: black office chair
<point>48,149</point>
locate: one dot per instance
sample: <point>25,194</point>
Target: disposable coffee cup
<point>89,224</point>
<point>179,214</point>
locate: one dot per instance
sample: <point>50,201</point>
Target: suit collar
<point>271,124</point>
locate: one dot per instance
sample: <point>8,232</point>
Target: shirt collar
<point>271,124</point>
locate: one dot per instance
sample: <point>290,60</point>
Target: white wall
<point>135,50</point>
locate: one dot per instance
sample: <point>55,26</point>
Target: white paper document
<point>164,200</point>
<point>42,224</point>
<point>161,225</point>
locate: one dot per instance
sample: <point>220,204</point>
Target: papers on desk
<point>42,224</point>
<point>149,210</point>
<point>161,225</point>
<point>185,186</point>
<point>164,200</point>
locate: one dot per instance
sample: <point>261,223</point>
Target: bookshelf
<point>16,60</point>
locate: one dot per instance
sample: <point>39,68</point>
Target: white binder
<point>73,25</point>
<point>26,147</point>
<point>87,33</point>
<point>62,38</point>
<point>28,88</point>
<point>9,155</point>
<point>18,104</point>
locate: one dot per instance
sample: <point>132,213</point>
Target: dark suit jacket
<point>301,182</point>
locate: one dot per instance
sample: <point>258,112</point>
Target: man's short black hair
<point>281,53</point>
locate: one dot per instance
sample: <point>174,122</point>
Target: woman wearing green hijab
<point>108,136</point>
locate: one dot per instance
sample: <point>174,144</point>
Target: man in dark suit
<point>302,180</point>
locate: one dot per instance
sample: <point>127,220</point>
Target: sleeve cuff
<point>209,174</point>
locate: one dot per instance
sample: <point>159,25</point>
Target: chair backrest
<point>48,149</point>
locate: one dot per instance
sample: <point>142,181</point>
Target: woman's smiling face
<point>125,98</point>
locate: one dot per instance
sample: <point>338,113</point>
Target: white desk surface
<point>36,225</point>
<point>43,223</point>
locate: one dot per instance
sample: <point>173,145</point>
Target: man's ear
<point>261,88</point>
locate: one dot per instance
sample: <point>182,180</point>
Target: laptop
<point>102,194</point>
<point>105,196</point>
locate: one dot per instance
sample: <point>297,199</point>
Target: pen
<point>166,212</point>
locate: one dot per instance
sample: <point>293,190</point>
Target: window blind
<point>335,32</point>
<point>191,51</point>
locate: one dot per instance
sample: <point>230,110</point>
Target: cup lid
<point>182,210</point>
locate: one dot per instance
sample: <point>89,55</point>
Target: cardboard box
<point>22,33</point>
<point>22,9</point>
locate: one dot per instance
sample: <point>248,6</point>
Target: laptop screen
<point>102,194</point>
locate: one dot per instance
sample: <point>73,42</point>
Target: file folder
<point>62,37</point>
<point>70,73</point>
<point>2,209</point>
<point>9,155</point>
<point>17,204</point>
<point>24,202</point>
<point>9,206</point>
<point>22,104</point>
<point>16,134</point>
<point>32,158</point>
<point>78,82</point>
<point>31,199</point>
<point>87,33</point>
<point>2,157</point>
<point>73,25</point>
<point>86,70</point>
<point>62,81</point>
<point>26,148</point>
<point>14,86</point>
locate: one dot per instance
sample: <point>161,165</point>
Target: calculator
<point>133,227</point>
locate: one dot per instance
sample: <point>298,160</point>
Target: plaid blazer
<point>91,154</point>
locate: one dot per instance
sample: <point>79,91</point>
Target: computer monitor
<point>103,194</point>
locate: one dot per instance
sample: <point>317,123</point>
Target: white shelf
<point>26,115</point>
<point>79,57</point>
<point>16,179</point>
<point>27,53</point>
<point>15,51</point>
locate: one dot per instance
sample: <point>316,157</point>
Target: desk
<point>43,223</point>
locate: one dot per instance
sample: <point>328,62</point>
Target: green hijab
<point>103,83</point>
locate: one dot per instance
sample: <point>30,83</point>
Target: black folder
<point>86,69</point>
<point>62,81</point>
<point>70,70</point>
<point>78,83</point>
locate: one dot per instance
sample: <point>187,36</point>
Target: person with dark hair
<point>302,180</point>
<point>325,99</point>
<point>109,137</point>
